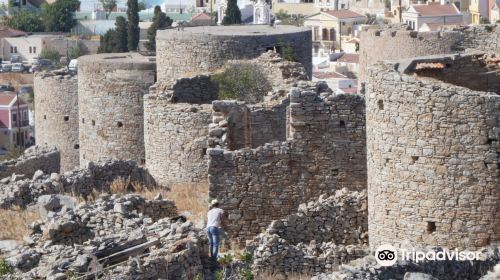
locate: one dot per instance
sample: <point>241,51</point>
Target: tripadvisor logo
<point>387,255</point>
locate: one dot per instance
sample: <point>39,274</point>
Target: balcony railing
<point>23,123</point>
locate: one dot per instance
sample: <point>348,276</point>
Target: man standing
<point>214,222</point>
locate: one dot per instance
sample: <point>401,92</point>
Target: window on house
<point>14,117</point>
<point>11,49</point>
<point>25,115</point>
<point>31,50</point>
<point>34,49</point>
<point>15,49</point>
<point>24,2</point>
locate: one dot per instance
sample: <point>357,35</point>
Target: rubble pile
<point>319,237</point>
<point>34,158</point>
<point>128,237</point>
<point>18,190</point>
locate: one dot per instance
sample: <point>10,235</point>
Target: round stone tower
<point>397,43</point>
<point>433,146</point>
<point>56,115</point>
<point>110,93</point>
<point>207,48</point>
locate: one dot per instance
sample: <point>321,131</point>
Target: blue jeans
<point>213,237</point>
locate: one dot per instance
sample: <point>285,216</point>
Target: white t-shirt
<point>214,217</point>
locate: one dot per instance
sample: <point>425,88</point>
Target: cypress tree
<point>233,13</point>
<point>133,25</point>
<point>160,20</point>
<point>120,42</point>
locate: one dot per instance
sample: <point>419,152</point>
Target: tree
<point>108,6</point>
<point>115,40</point>
<point>233,13</point>
<point>133,25</point>
<point>58,16</point>
<point>142,6</point>
<point>26,21</point>
<point>160,21</point>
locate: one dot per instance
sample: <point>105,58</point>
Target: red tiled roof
<point>6,98</point>
<point>9,32</point>
<point>344,14</point>
<point>328,75</point>
<point>202,16</point>
<point>436,10</point>
<point>349,58</point>
<point>350,90</point>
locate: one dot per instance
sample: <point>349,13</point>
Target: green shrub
<point>5,268</point>
<point>246,257</point>
<point>52,55</point>
<point>246,274</point>
<point>244,82</point>
<point>226,260</point>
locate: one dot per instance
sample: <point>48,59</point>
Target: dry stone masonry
<point>110,93</point>
<point>434,152</point>
<point>56,115</point>
<point>208,48</point>
<point>35,158</point>
<point>322,235</point>
<point>393,43</point>
<point>325,152</point>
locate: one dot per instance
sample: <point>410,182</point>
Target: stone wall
<point>20,191</point>
<point>477,71</point>
<point>325,152</point>
<point>175,139</point>
<point>198,89</point>
<point>208,48</point>
<point>397,43</point>
<point>56,115</point>
<point>322,235</point>
<point>236,125</point>
<point>480,38</point>
<point>433,159</point>
<point>110,93</point>
<point>34,158</point>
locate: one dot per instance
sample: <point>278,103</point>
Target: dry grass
<point>14,223</point>
<point>190,197</point>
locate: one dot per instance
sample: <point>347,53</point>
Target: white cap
<point>215,201</point>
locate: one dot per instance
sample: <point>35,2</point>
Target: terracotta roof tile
<point>436,10</point>
<point>9,32</point>
<point>328,75</point>
<point>6,98</point>
<point>344,14</point>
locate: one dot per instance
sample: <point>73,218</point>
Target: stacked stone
<point>322,235</point>
<point>176,139</point>
<point>397,43</point>
<point>325,152</point>
<point>281,73</point>
<point>485,37</point>
<point>197,89</point>
<point>56,115</point>
<point>236,125</point>
<point>433,158</point>
<point>19,191</point>
<point>206,49</point>
<point>110,96</point>
<point>35,158</point>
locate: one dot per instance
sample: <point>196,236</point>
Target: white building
<point>432,14</point>
<point>261,13</point>
<point>246,9</point>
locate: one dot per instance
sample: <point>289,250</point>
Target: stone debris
<point>135,237</point>
<point>18,190</point>
<point>44,158</point>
